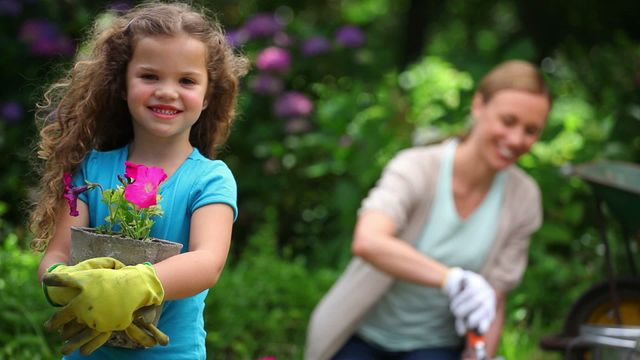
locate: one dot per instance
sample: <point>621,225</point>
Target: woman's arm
<point>492,337</point>
<point>198,269</point>
<point>375,242</point>
<point>59,247</point>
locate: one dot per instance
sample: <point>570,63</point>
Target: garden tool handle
<point>476,341</point>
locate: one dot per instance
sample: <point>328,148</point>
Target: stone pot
<point>86,243</point>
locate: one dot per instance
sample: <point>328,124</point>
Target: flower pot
<point>86,243</point>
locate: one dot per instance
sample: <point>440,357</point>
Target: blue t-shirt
<point>197,182</point>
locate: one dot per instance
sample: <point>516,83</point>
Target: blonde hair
<point>85,109</point>
<point>513,75</point>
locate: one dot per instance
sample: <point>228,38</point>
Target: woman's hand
<point>473,300</point>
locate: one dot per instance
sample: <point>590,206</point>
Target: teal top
<point>410,316</point>
<point>197,182</point>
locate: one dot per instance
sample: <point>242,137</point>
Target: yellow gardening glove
<point>107,298</point>
<point>142,330</point>
<point>60,296</point>
<point>77,335</point>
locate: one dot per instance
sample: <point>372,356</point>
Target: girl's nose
<point>166,92</point>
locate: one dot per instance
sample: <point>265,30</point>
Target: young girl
<point>443,236</point>
<point>159,88</point>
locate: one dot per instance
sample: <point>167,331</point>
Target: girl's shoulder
<point>106,156</point>
<point>203,164</point>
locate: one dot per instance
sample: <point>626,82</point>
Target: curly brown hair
<point>86,109</point>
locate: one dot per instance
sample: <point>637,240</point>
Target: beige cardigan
<point>405,192</point>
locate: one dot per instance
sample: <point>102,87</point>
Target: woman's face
<point>508,125</point>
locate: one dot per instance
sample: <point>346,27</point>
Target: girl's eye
<point>187,81</point>
<point>148,77</point>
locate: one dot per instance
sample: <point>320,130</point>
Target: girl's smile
<point>164,111</point>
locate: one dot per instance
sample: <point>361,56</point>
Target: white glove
<point>452,286</point>
<point>475,304</point>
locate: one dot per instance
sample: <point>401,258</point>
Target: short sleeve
<point>80,176</point>
<point>216,184</point>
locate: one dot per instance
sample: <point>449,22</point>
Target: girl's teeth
<point>166,112</point>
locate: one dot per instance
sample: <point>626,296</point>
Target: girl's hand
<point>79,336</point>
<point>107,298</point>
<point>60,296</point>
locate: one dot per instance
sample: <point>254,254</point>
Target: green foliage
<point>269,316</point>
<point>299,191</point>
<point>134,222</point>
<point>23,308</point>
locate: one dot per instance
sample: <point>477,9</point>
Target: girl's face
<point>166,86</point>
<point>508,125</point>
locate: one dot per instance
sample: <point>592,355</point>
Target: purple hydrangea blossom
<point>282,39</point>
<point>345,141</point>
<point>263,25</point>
<point>12,111</point>
<point>316,45</point>
<point>45,38</point>
<point>350,36</point>
<point>297,126</point>
<point>238,37</point>
<point>274,59</point>
<point>120,6</point>
<point>267,84</point>
<point>10,7</point>
<point>293,104</point>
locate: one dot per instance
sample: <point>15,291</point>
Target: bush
<point>260,306</point>
<point>23,308</point>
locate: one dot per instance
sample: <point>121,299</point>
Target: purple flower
<point>297,126</point>
<point>120,6</point>
<point>238,37</point>
<point>71,193</point>
<point>267,84</point>
<point>293,104</point>
<point>350,36</point>
<point>282,39</point>
<point>345,141</point>
<point>45,38</point>
<point>274,59</point>
<point>263,25</point>
<point>316,45</point>
<point>12,111</point>
<point>10,7</point>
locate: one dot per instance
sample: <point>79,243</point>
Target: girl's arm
<point>375,241</point>
<point>198,269</point>
<point>59,247</point>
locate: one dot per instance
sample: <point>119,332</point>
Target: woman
<point>442,237</point>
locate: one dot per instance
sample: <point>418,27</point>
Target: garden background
<point>336,88</point>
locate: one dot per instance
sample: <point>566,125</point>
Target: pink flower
<point>274,59</point>
<point>146,180</point>
<point>293,104</point>
<point>71,193</point>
